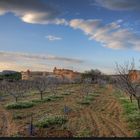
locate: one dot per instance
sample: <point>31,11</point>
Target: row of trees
<point>18,89</point>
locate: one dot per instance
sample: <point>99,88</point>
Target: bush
<point>38,101</point>
<point>51,120</point>
<point>89,98</point>
<point>55,97</point>
<point>19,105</point>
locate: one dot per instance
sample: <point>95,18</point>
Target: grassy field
<point>70,113</point>
<point>130,111</point>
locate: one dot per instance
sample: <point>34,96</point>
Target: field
<point>101,113</point>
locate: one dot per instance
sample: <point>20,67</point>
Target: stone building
<point>59,73</point>
<point>66,73</point>
<point>30,75</point>
<point>134,75</point>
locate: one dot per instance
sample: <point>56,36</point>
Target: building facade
<point>30,75</point>
<point>61,73</point>
<point>134,75</point>
<point>66,73</point>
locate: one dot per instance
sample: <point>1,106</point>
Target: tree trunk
<point>131,98</point>
<point>138,101</point>
<point>16,98</point>
<point>41,95</point>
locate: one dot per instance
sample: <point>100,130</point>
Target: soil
<point>102,118</point>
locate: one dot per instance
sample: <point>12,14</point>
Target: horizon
<point>81,35</point>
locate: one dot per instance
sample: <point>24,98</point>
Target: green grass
<point>85,133</point>
<point>51,121</point>
<point>19,105</point>
<point>87,99</point>
<point>55,97</point>
<point>131,112</point>
<point>84,102</point>
<point>138,134</point>
<point>18,116</point>
<point>38,101</point>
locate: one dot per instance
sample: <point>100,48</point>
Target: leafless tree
<point>86,87</point>
<point>16,89</point>
<point>125,83</point>
<point>41,85</point>
<point>54,82</point>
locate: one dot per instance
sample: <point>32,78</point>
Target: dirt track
<point>102,118</point>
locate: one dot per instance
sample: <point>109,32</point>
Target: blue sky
<point>74,34</point>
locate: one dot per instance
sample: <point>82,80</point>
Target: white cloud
<point>31,11</point>
<point>23,61</point>
<point>17,56</point>
<point>53,38</point>
<point>118,4</point>
<point>110,35</point>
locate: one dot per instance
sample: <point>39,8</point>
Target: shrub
<point>51,120</point>
<point>38,101</point>
<point>19,105</point>
<point>55,97</point>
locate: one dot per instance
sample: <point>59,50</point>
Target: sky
<point>72,34</point>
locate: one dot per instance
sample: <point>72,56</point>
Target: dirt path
<point>103,118</point>
<point>7,126</point>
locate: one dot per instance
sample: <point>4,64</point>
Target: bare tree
<point>85,86</point>
<point>125,83</point>
<point>41,85</point>
<point>16,89</point>
<point>54,82</point>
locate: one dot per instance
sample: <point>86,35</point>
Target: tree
<point>85,87</point>
<point>15,89</point>
<point>125,83</point>
<point>40,84</point>
<point>93,74</point>
<point>54,82</point>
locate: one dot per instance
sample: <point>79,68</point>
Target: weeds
<point>19,105</point>
<point>131,112</point>
<point>51,120</point>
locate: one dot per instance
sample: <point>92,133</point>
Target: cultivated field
<point>100,113</point>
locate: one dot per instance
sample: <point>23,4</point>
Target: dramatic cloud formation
<point>53,38</point>
<point>31,11</point>
<point>119,4</point>
<point>109,35</point>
